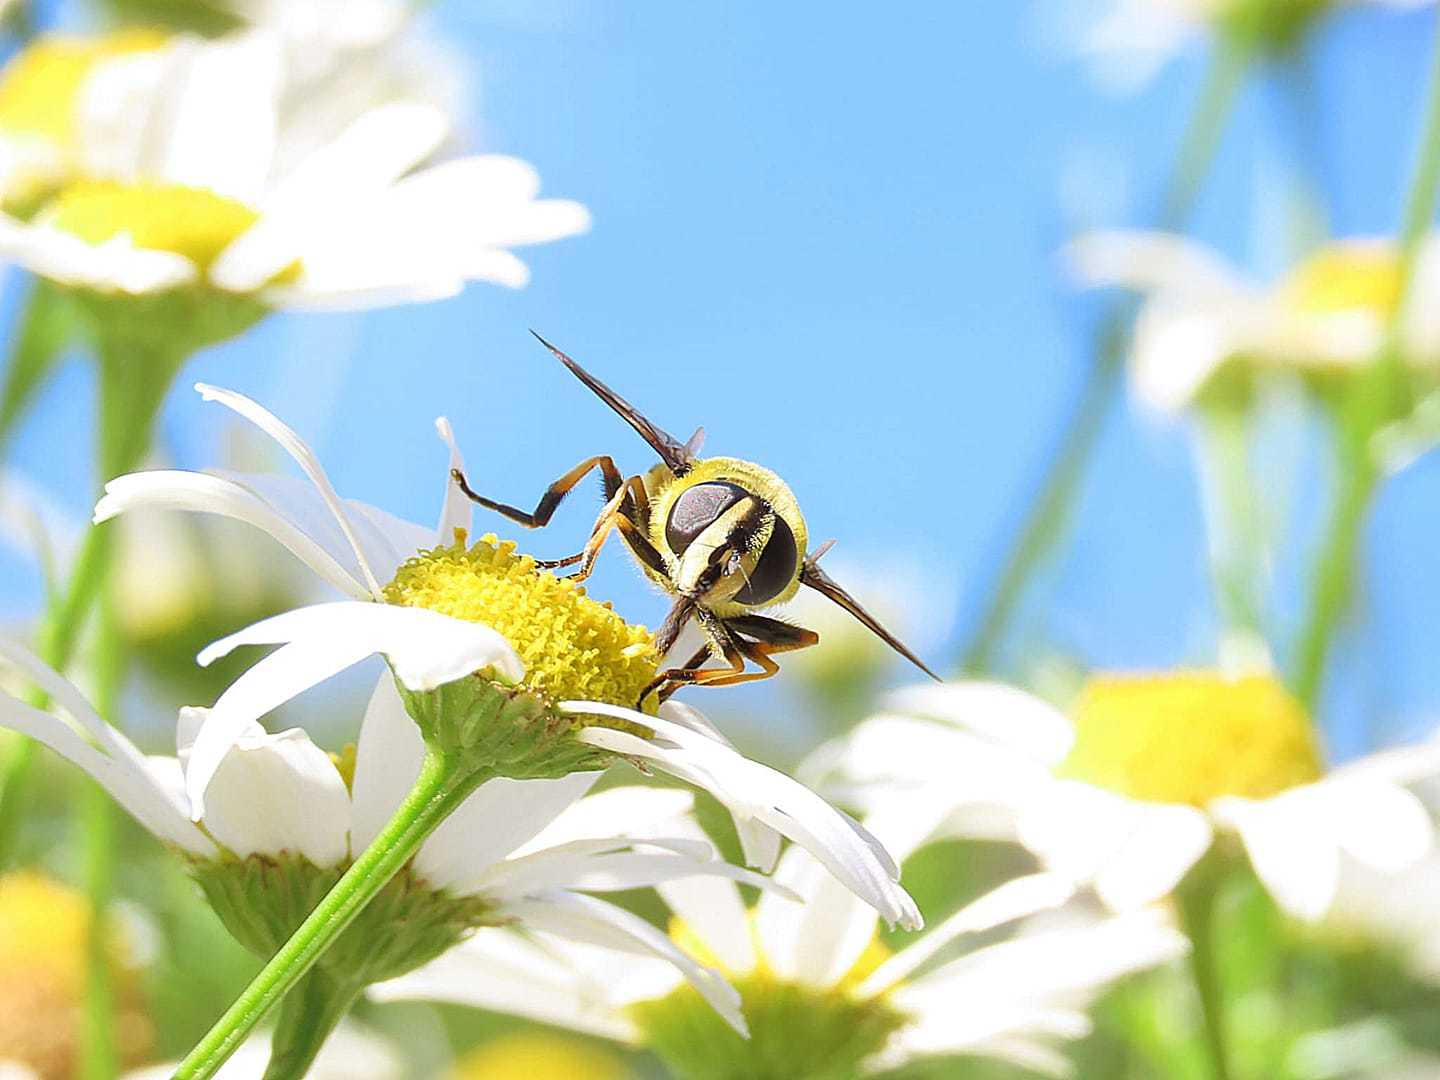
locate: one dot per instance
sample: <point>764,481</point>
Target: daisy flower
<point>284,820</point>
<point>1129,41</point>
<point>1201,318</point>
<point>171,176</point>
<point>560,669</point>
<point>1133,789</point>
<point>823,995</point>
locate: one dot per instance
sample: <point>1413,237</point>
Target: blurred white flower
<point>351,1053</point>
<point>1327,317</point>
<point>820,959</point>
<point>355,548</point>
<point>1128,41</point>
<point>175,173</point>
<point>1129,793</point>
<point>523,851</point>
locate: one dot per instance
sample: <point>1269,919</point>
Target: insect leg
<point>719,640</point>
<point>545,508</point>
<point>757,638</point>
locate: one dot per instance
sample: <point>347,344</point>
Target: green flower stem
<point>1044,523</point>
<point>446,779</point>
<point>1196,898</point>
<point>1236,521</point>
<point>307,1017</point>
<point>1370,404</point>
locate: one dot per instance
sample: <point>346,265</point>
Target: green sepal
<point>506,730</point>
<point>262,901</point>
<point>796,1032</point>
<point>180,321</point>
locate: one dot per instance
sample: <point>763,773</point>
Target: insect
<point>723,536</point>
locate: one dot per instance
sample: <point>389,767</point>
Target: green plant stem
<point>308,1015</point>
<point>444,782</point>
<point>1235,520</point>
<point>1044,522</point>
<point>1196,898</point>
<point>1371,403</point>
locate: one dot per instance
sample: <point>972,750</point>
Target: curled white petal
<point>756,792</point>
<point>425,650</point>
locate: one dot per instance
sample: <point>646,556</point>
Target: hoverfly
<point>724,537</point>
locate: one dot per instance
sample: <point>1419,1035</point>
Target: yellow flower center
<point>538,1057</point>
<point>573,647</point>
<point>194,222</point>
<point>44,929</point>
<point>1191,737</point>
<point>1356,277</point>
<point>40,88</point>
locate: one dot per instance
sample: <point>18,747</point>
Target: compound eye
<point>696,508</point>
<point>775,568</point>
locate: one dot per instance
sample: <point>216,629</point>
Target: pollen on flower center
<point>194,222</point>
<point>1191,737</point>
<point>44,932</point>
<point>40,88</point>
<point>573,647</point>
<point>1345,278</point>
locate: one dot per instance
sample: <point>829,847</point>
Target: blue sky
<point>830,239</point>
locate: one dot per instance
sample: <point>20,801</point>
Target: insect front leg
<point>554,494</point>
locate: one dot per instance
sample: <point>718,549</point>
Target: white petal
<point>1149,262</point>
<point>221,117</point>
<point>329,188</point>
<point>754,791</point>
<point>1001,714</point>
<point>1383,826</point>
<point>1162,846</point>
<point>1015,899</point>
<point>455,511</point>
<point>303,456</point>
<point>587,919</point>
<point>386,540</point>
<point>175,490</point>
<point>116,265</point>
<point>1133,852</point>
<point>279,793</point>
<point>138,788</point>
<point>630,811</point>
<point>1298,863</point>
<point>497,969</point>
<point>388,755</point>
<point>817,940</point>
<point>713,909</point>
<point>501,816</point>
<point>425,649</point>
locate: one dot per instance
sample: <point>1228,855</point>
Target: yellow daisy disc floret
<point>538,1056</point>
<point>194,222</point>
<point>573,647</point>
<point>1191,737</point>
<point>1345,277</point>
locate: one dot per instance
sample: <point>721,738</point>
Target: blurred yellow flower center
<point>40,88</point>
<point>1356,277</point>
<point>193,222</point>
<point>1191,737</point>
<point>44,929</point>
<point>538,1057</point>
<point>573,647</point>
